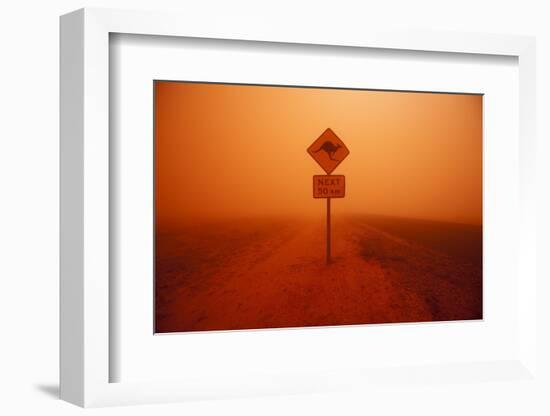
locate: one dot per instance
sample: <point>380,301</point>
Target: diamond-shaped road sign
<point>328,150</point>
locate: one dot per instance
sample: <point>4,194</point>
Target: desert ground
<point>271,273</point>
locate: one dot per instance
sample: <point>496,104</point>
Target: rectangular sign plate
<point>329,186</point>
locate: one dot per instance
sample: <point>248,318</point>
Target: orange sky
<point>237,150</point>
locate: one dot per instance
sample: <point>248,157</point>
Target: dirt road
<point>252,274</point>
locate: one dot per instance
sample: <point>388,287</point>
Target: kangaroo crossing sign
<point>328,151</point>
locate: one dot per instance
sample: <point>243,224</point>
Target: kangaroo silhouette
<point>330,148</point>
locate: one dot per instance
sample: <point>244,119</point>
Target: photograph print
<point>294,207</point>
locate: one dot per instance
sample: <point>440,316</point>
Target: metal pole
<point>328,230</point>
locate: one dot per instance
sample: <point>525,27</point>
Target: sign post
<point>328,230</point>
<point>328,151</point>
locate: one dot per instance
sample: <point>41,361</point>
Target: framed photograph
<point>279,211</point>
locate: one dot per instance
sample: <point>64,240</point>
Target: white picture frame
<point>85,213</point>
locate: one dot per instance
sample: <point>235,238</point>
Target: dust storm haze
<point>240,151</point>
<point>240,242</point>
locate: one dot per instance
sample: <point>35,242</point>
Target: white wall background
<point>29,208</point>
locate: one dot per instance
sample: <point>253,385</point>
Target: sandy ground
<point>266,274</point>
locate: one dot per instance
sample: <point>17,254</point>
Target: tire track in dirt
<point>451,288</point>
